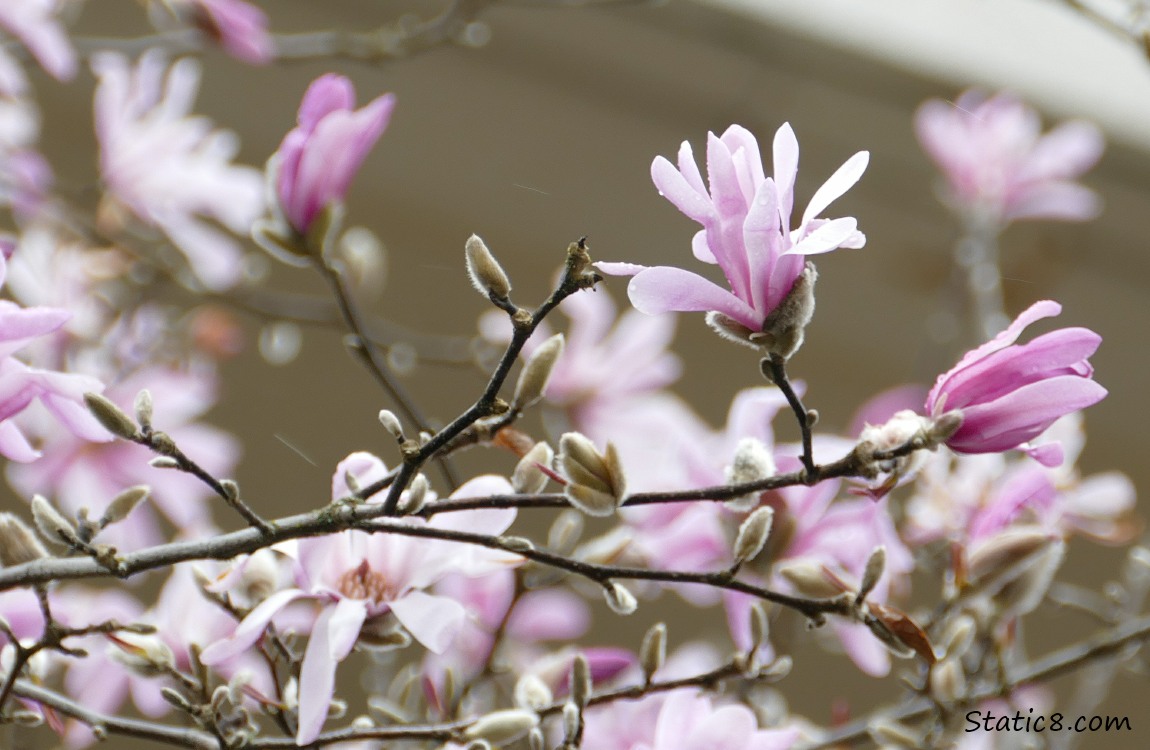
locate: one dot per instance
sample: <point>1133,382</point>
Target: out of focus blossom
<point>241,28</point>
<point>62,394</point>
<point>1009,393</point>
<point>34,23</point>
<point>25,176</point>
<point>319,158</point>
<point>680,720</point>
<point>967,499</point>
<point>747,230</point>
<point>1000,167</point>
<point>171,169</point>
<point>76,473</point>
<point>369,584</point>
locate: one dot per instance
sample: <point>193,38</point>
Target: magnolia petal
<point>663,289</point>
<point>828,236</point>
<point>326,94</point>
<point>317,676</point>
<point>840,182</point>
<point>1023,414</point>
<point>675,188</point>
<point>432,620</point>
<point>619,268</point>
<point>250,628</point>
<point>785,153</point>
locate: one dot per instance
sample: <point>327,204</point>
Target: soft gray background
<point>547,134</point>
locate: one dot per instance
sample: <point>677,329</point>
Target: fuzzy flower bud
<point>753,533</point>
<point>537,371</point>
<point>392,424</point>
<point>753,461</point>
<point>111,416</point>
<point>531,692</point>
<point>503,727</point>
<point>486,275</point>
<point>144,407</point>
<point>124,503</point>
<point>619,598</point>
<point>653,650</point>
<point>581,685</point>
<point>52,524</point>
<point>18,544</point>
<point>875,566</point>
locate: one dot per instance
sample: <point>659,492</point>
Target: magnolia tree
<point>469,621</point>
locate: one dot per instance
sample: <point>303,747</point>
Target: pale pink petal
<point>841,181</point>
<point>673,186</point>
<point>666,289</point>
<point>251,627</point>
<point>431,620</point>
<point>829,235</point>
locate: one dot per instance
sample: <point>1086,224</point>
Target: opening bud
<point>528,478</point>
<point>596,484</point>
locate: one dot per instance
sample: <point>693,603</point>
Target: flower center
<point>361,582</point>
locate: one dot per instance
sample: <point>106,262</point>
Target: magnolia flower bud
<point>503,727</point>
<point>143,407</point>
<point>888,732</point>
<point>392,424</point>
<point>52,524</point>
<point>572,718</point>
<point>531,692</point>
<point>528,478</point>
<point>146,655</point>
<point>111,416</point>
<point>808,579</point>
<point>537,371</point>
<point>753,461</point>
<point>948,680</point>
<point>875,566</point>
<point>581,685</point>
<point>619,598</point>
<point>18,544</point>
<point>124,503</point>
<point>596,484</point>
<point>164,462</point>
<point>653,650</point>
<point>415,498</point>
<point>753,533</point>
<point>486,275</point>
<point>760,627</point>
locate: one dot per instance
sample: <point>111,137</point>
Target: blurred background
<point>545,133</point>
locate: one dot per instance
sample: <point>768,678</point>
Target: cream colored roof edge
<point>1051,56</point>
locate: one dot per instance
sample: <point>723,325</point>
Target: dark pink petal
<point>666,289</point>
<point>1037,311</point>
<point>1022,415</point>
<point>326,94</point>
<point>1056,353</point>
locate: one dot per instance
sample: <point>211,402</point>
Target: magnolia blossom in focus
<point>1009,393</point>
<point>1000,167</point>
<point>33,22</point>
<point>369,584</point>
<point>746,220</point>
<point>172,170</point>
<point>319,158</point>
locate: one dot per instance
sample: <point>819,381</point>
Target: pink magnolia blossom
<point>320,157</point>
<point>172,170</point>
<point>746,220</point>
<point>1009,393</point>
<point>999,166</point>
<point>241,28</point>
<point>366,583</point>
<point>33,22</point>
<point>680,720</point>
<point>62,394</point>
